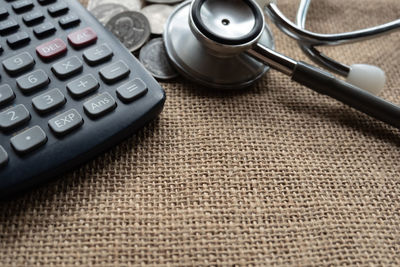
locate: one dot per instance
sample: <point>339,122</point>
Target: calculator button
<point>14,117</point>
<point>58,9</point>
<point>48,101</point>
<point>83,86</point>
<point>33,81</point>
<point>67,67</point>
<point>114,72</point>
<point>68,21</point>
<point>3,157</point>
<point>18,63</point>
<point>3,13</point>
<point>99,105</point>
<point>29,140</point>
<point>131,90</point>
<point>46,2</point>
<point>18,39</point>
<point>51,49</point>
<point>97,54</point>
<point>8,26</point>
<point>44,29</point>
<point>66,122</point>
<point>6,94</point>
<point>82,37</point>
<point>22,5</point>
<point>33,18</point>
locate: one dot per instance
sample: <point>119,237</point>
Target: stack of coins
<point>139,25</point>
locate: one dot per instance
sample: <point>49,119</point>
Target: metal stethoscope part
<point>365,76</point>
<point>226,44</point>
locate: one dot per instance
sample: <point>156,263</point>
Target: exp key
<point>66,122</point>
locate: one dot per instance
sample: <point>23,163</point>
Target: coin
<point>133,5</point>
<point>131,28</point>
<point>105,12</point>
<point>154,58</point>
<point>157,15</point>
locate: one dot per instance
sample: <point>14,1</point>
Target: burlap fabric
<point>275,175</point>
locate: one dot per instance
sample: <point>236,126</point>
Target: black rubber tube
<point>325,83</point>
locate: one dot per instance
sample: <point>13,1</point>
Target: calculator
<point>68,91</point>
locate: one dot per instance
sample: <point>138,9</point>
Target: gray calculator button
<point>99,105</point>
<point>131,90</point>
<point>13,117</point>
<point>3,157</point>
<point>29,140</point>
<point>97,54</point>
<point>33,81</point>
<point>114,72</point>
<point>83,86</point>
<point>48,101</point>
<point>66,122</point>
<point>6,94</point>
<point>67,67</point>
<point>18,63</point>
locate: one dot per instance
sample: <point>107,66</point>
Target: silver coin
<point>131,28</point>
<point>133,5</point>
<point>164,1</point>
<point>105,12</point>
<point>154,58</point>
<point>157,15</point>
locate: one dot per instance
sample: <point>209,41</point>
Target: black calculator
<point>68,91</point>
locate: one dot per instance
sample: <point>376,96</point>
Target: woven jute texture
<point>273,175</point>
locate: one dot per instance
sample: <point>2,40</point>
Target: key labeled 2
<point>14,117</point>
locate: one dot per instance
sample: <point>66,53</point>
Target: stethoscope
<point>226,44</point>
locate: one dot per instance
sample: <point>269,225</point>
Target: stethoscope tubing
<point>309,40</point>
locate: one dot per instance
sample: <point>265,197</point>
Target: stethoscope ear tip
<point>367,77</point>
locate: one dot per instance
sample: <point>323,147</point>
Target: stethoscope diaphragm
<point>199,62</point>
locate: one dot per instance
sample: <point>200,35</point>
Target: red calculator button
<point>82,37</point>
<point>51,49</point>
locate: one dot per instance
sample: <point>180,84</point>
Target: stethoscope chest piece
<point>208,47</point>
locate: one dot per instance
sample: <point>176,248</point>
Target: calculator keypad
<point>63,82</point>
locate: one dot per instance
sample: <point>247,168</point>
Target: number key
<point>18,63</point>
<point>48,101</point>
<point>33,81</point>
<point>6,94</point>
<point>14,117</point>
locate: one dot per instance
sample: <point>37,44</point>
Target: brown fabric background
<point>273,175</point>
